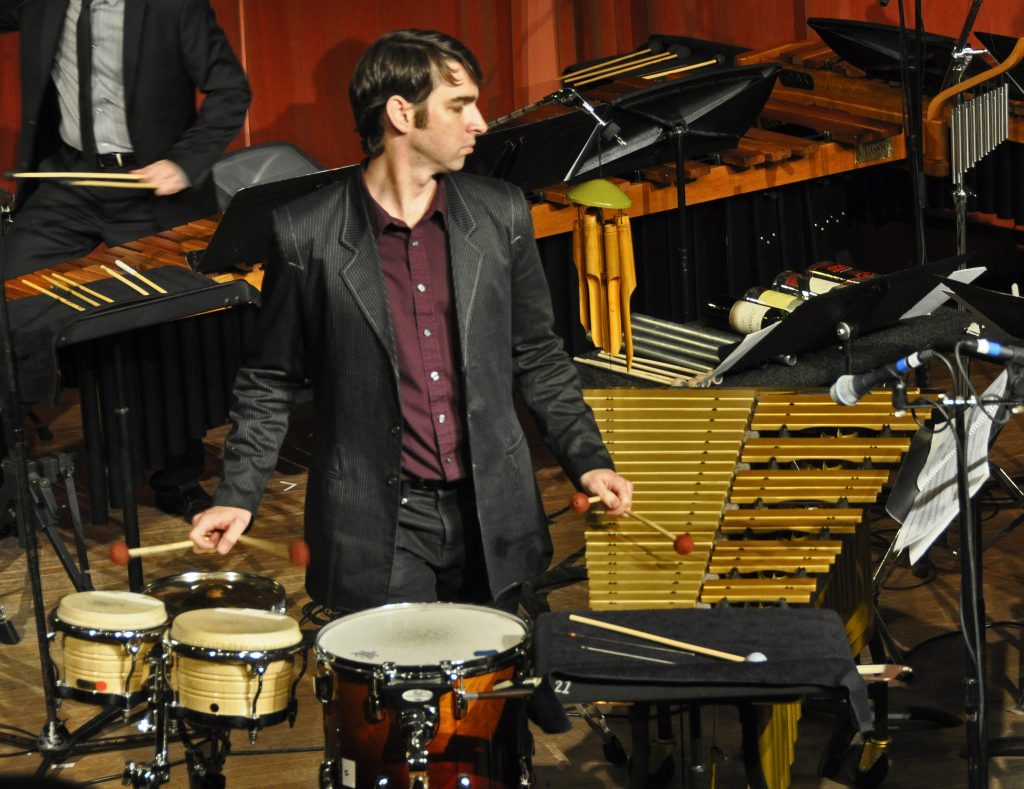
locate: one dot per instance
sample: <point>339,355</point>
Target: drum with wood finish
<point>398,683</point>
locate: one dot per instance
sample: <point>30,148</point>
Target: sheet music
<point>938,295</point>
<point>937,502</point>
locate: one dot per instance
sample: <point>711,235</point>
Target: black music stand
<point>243,234</point>
<point>815,324</point>
<point>874,48</point>
<point>1000,310</point>
<point>1000,48</point>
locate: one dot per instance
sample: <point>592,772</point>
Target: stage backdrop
<point>299,53</point>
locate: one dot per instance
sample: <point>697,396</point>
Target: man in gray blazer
<point>412,298</point>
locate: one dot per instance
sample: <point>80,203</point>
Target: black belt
<point>105,161</point>
<point>113,161</point>
<point>431,485</point>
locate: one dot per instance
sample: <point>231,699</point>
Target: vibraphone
<point>772,487</point>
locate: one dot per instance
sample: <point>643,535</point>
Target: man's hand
<point>218,528</point>
<point>615,490</point>
<point>169,178</point>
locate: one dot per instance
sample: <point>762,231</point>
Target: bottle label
<point>783,301</point>
<point>746,317</point>
<point>819,285</point>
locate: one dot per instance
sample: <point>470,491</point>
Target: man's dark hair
<point>406,63</point>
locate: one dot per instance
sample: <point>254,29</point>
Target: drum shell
<point>95,665</point>
<point>222,686</point>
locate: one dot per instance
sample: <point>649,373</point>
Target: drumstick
<point>80,286</point>
<point>681,543</point>
<point>99,175</point>
<point>125,267</point>
<point>108,270</point>
<point>753,657</point>
<point>62,286</point>
<point>297,552</point>
<point>117,184</point>
<point>53,295</point>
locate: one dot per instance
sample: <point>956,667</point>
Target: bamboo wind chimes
<point>603,255</point>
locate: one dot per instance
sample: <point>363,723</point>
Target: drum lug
<point>383,675</point>
<point>459,702</point>
<point>323,684</point>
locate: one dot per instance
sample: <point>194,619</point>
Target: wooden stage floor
<point>923,615</point>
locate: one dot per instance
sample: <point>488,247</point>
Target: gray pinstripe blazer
<point>326,317</point>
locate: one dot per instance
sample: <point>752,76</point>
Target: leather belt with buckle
<point>110,161</point>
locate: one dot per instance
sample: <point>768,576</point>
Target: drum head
<point>194,590</point>
<point>111,611</point>
<point>235,629</point>
<point>421,634</point>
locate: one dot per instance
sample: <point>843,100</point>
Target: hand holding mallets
<point>297,552</point>
<point>681,544</point>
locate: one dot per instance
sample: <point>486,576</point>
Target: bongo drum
<point>234,667</point>
<point>105,639</point>
<point>192,590</point>
<point>393,682</point>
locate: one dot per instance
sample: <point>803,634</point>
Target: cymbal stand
<point>54,743</point>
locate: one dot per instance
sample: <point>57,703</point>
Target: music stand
<point>1000,48</point>
<point>243,234</point>
<point>811,326</point>
<point>1001,310</point>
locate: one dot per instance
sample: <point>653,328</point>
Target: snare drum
<point>391,679</point>
<point>234,667</point>
<point>192,590</point>
<point>105,639</point>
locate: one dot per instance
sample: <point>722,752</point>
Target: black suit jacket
<point>171,48</point>
<point>326,317</point>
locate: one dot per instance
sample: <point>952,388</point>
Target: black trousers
<point>60,222</point>
<point>438,553</point>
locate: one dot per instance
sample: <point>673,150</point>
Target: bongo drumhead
<point>421,634</point>
<point>113,611</point>
<point>235,629</point>
<point>192,590</point>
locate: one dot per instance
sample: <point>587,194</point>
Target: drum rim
<point>478,665</point>
<point>221,655</point>
<point>119,636</point>
<point>280,604</point>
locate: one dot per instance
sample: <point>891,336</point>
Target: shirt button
<point>441,419</point>
<point>449,460</point>
<point>421,288</point>
<point>415,243</point>
<point>426,332</point>
<point>435,376</point>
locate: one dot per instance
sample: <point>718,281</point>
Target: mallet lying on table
<point>753,657</point>
<point>681,543</point>
<point>297,553</point>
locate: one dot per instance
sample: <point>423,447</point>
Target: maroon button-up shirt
<point>417,274</point>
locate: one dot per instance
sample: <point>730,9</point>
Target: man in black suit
<point>413,298</point>
<point>135,112</point>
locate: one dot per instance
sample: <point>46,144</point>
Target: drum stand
<point>54,743</point>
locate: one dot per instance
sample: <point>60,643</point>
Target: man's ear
<point>400,113</point>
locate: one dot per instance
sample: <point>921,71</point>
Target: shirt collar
<point>380,219</point>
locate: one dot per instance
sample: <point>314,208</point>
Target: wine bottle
<point>773,298</point>
<point>802,285</point>
<point>838,272</point>
<point>743,316</point>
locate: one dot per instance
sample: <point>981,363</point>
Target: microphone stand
<point>972,599</point>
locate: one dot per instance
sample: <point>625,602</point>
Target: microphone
<point>993,350</point>
<point>849,389</point>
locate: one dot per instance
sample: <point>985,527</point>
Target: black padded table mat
<point>806,649</point>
